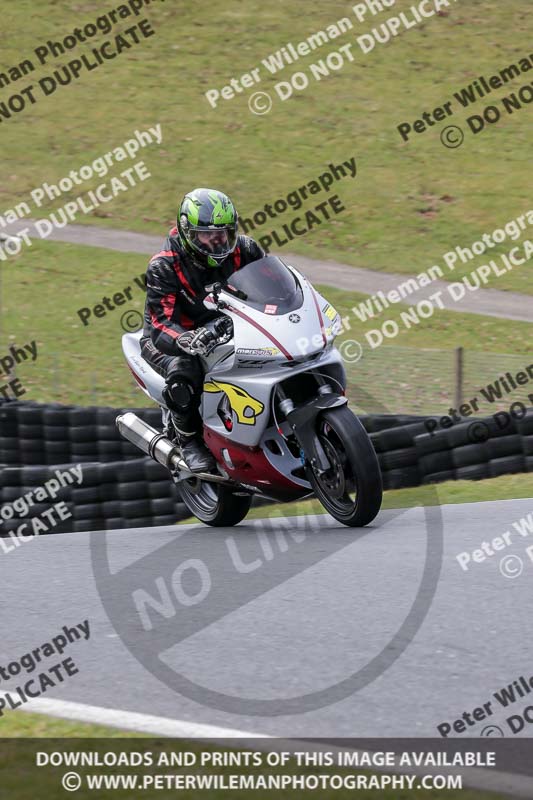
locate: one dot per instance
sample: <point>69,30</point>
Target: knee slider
<point>179,395</point>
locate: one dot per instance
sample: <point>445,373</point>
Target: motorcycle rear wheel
<point>213,504</point>
<point>352,490</point>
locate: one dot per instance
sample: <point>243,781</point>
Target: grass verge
<point>506,487</point>
<point>48,284</point>
<point>411,201</point>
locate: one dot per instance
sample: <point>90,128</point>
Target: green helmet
<point>207,226</point>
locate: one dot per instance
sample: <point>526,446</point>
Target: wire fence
<point>390,379</point>
<point>413,381</point>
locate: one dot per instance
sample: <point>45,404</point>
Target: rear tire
<point>213,504</point>
<point>352,490</point>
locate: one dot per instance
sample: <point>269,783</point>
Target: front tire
<point>352,490</point>
<point>214,504</point>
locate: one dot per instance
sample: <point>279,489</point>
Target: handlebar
<point>223,327</point>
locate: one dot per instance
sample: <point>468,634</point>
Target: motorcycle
<point>274,407</point>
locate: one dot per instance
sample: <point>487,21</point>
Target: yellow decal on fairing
<point>239,400</point>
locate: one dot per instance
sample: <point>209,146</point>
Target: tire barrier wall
<point>122,490</point>
<point>128,494</point>
<point>35,434</point>
<point>479,448</point>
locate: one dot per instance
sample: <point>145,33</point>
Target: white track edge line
<point>520,786</point>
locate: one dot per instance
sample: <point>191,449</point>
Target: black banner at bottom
<point>139,767</point>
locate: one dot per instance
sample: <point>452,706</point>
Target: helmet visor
<point>217,242</point>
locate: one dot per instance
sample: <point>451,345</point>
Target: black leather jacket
<point>175,289</point>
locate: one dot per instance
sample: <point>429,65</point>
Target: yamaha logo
<point>294,317</point>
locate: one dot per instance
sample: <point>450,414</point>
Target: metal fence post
<point>459,376</point>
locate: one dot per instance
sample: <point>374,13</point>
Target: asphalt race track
<point>306,620</point>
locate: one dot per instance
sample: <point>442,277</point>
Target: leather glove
<point>197,342</point>
<point>224,326</point>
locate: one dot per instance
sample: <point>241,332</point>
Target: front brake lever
<point>222,340</point>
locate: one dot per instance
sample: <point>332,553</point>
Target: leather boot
<point>194,451</point>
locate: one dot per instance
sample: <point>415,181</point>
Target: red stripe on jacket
<point>179,272</point>
<point>168,303</point>
<point>163,254</point>
<point>161,327</point>
<point>186,322</point>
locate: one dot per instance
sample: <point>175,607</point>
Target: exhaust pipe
<point>157,446</point>
<point>154,444</point>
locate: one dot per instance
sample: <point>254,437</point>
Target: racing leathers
<point>175,290</point>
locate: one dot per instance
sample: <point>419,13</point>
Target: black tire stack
<point>34,434</point>
<point>397,454</point>
<point>135,493</point>
<point>470,450</point>
<point>122,490</point>
<point>119,489</point>
<point>476,449</point>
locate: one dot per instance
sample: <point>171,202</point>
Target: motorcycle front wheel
<point>351,490</point>
<point>214,504</point>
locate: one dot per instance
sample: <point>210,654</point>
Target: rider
<point>203,249</point>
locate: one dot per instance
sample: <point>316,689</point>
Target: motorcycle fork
<point>302,420</point>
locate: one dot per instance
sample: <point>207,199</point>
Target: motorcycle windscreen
<point>268,285</point>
